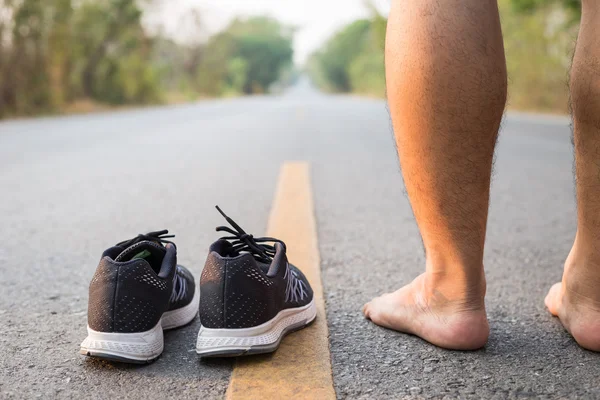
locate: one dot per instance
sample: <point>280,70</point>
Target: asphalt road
<point>72,186</point>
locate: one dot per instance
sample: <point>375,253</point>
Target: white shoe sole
<point>138,347</point>
<point>181,316</point>
<point>263,338</point>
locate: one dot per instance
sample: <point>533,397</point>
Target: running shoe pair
<point>249,297</point>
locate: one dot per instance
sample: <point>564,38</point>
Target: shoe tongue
<point>152,252</point>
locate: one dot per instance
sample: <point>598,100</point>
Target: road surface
<point>73,186</point>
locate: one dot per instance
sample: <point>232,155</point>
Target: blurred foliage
<point>56,53</point>
<point>532,5</point>
<point>539,36</point>
<point>352,60</point>
<point>249,56</point>
<point>53,52</point>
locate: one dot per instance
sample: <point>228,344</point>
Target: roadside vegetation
<point>539,37</point>
<point>63,55</point>
<point>77,55</point>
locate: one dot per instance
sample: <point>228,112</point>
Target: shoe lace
<point>244,242</point>
<point>158,237</point>
<point>179,282</point>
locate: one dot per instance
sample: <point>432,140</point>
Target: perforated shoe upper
<point>134,284</point>
<point>240,292</point>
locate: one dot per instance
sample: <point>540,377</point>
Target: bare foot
<point>576,301</point>
<point>444,316</point>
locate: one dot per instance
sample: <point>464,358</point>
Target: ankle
<point>583,262</point>
<point>581,277</point>
<point>455,288</point>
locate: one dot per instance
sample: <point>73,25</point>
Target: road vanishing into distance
<point>72,186</point>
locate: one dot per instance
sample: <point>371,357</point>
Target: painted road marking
<point>301,367</point>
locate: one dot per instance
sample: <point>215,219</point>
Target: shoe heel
<point>138,347</point>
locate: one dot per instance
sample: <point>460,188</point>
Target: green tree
<point>340,51</point>
<point>212,72</point>
<point>25,80</point>
<point>53,52</point>
<point>367,73</point>
<point>353,59</point>
<point>237,72</point>
<point>57,52</point>
<point>531,5</point>
<point>113,53</point>
<point>260,44</point>
<point>266,47</point>
<point>538,46</point>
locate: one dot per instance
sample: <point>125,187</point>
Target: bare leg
<point>576,300</point>
<point>446,85</point>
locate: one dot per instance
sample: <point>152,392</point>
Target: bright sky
<point>316,20</point>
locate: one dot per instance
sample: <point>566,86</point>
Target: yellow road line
<point>301,367</point>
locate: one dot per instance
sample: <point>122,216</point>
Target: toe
<point>365,309</point>
<point>369,308</point>
<point>552,300</point>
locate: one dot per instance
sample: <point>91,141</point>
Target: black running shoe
<point>137,291</point>
<point>251,296</point>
